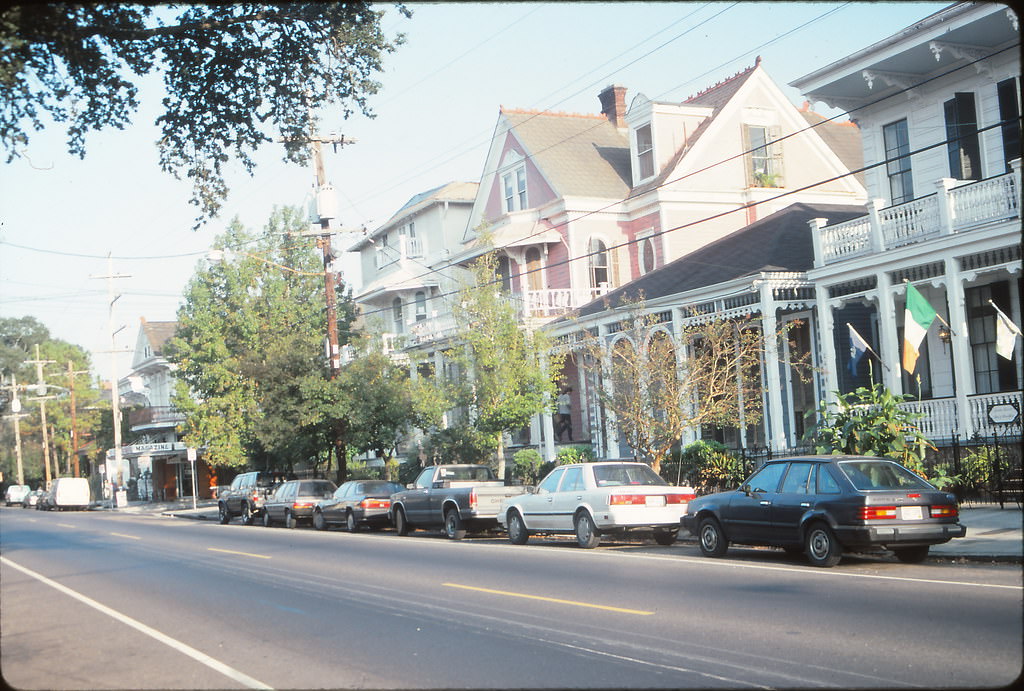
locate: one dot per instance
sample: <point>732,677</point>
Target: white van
<point>70,493</point>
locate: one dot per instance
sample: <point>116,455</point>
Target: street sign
<point>191,454</point>
<point>1003,413</point>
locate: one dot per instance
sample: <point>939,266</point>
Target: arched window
<point>533,268</point>
<point>647,255</point>
<point>421,306</point>
<point>598,252</point>
<point>396,314</point>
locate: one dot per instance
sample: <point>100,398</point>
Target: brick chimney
<point>613,104</point>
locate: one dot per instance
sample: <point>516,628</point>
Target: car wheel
<point>821,546</point>
<point>453,527</point>
<point>246,514</point>
<point>318,520</point>
<point>665,537</point>
<point>223,514</point>
<point>350,521</point>
<point>911,555</point>
<point>402,526</point>
<point>289,520</point>
<point>713,542</point>
<point>586,533</point>
<point>517,532</point>
<point>266,518</point>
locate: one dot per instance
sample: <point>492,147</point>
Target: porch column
<point>827,353</point>
<point>439,375</point>
<point>963,365</point>
<point>689,434</point>
<point>547,427</point>
<point>769,329</point>
<point>888,335</point>
<point>611,435</point>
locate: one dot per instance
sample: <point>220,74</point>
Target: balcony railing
<point>940,420</point>
<point>956,207</point>
<point>155,416</point>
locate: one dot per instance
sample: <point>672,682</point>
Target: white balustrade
<point>984,201</point>
<point>846,240</point>
<point>979,407</point>
<point>939,416</point>
<point>911,222</point>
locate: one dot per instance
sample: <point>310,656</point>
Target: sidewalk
<point>993,534</point>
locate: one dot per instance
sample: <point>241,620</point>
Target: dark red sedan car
<point>823,505</point>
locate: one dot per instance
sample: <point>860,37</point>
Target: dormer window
<point>645,151</point>
<point>514,184</point>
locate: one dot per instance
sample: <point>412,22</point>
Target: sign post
<point>191,454</point>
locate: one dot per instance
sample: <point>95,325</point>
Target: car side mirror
<point>746,490</point>
<point>411,485</point>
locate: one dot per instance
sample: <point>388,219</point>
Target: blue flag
<point>858,346</point>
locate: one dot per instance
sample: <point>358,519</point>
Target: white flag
<point>1006,334</point>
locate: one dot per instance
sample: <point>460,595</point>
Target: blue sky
<point>61,216</point>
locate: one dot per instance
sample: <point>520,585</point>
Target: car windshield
<point>626,474</point>
<point>881,475</point>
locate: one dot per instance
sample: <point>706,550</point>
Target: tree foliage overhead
<point>235,75</point>
<point>250,330</point>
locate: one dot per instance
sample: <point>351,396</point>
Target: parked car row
<point>65,493</point>
<point>820,506</point>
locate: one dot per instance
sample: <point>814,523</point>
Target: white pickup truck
<point>459,498</point>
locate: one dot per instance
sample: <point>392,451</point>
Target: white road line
<point>205,659</point>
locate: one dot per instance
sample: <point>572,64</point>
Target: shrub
<point>526,465</point>
<point>574,454</point>
<point>710,467</point>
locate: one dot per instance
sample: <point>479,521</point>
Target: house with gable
<point>578,205</point>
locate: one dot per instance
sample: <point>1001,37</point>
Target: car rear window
<point>626,474</point>
<point>458,474</point>
<point>317,488</point>
<point>881,475</point>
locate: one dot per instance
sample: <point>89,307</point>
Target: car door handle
<point>765,502</point>
<point>579,497</point>
<point>805,504</point>
<point>550,499</point>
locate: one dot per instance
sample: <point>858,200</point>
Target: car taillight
<point>302,504</point>
<point>874,513</point>
<point>679,498</point>
<point>472,498</point>
<point>627,499</point>
<point>375,503</point>
<point>944,511</point>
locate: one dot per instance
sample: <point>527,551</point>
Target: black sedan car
<point>823,505</point>
<point>355,504</point>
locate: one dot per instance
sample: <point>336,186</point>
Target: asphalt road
<point>101,600</point>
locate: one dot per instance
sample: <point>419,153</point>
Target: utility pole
<point>74,430</point>
<point>17,415</point>
<point>326,210</point>
<point>41,390</point>
<point>115,404</point>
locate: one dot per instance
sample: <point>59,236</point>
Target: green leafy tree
<point>234,75</point>
<point>248,340</point>
<point>18,340</point>
<point>507,372</point>
<point>870,422</point>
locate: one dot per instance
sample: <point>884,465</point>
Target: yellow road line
<point>244,554</point>
<point>549,599</point>
<point>130,537</point>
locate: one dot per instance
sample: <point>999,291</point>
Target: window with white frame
<point>648,255</point>
<point>514,185</point>
<point>896,139</point>
<point>396,315</point>
<point>962,142</point>
<point>421,305</point>
<point>534,279</point>
<point>1008,94</point>
<point>598,263</point>
<point>763,155</point>
<point>645,151</point>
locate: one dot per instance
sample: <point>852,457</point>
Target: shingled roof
<point>581,155</point>
<point>158,333</point>
<point>780,242</point>
<point>842,137</point>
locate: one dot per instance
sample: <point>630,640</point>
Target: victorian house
<point>938,105</point>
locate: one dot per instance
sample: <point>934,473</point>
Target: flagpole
<point>937,315</point>
<point>867,346</point>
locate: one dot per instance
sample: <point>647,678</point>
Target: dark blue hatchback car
<point>823,505</point>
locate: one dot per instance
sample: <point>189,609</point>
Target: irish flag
<point>916,320</point>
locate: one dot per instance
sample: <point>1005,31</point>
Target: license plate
<point>911,513</point>
<point>656,500</point>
